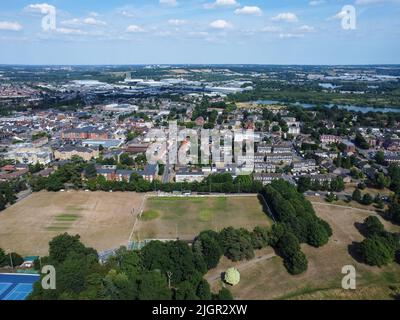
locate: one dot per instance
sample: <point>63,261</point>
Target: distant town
<point>322,170</point>
<point>47,124</point>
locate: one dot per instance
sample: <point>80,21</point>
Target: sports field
<point>16,286</point>
<point>266,278</point>
<point>103,220</point>
<point>184,218</point>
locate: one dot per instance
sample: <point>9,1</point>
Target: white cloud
<point>367,2</point>
<point>71,22</point>
<point>286,16</point>
<point>221,24</point>
<point>169,3</point>
<point>249,10</point>
<point>80,22</point>
<point>177,22</point>
<point>87,21</point>
<point>271,29</point>
<point>221,4</point>
<point>11,26</point>
<point>133,28</point>
<point>43,8</point>
<point>291,35</point>
<point>316,2</point>
<point>306,28</point>
<point>94,22</point>
<point>128,14</point>
<point>70,31</point>
<point>339,15</point>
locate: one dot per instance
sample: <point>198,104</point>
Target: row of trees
<point>367,199</point>
<point>161,270</point>
<point>305,183</point>
<point>393,212</point>
<point>10,260</point>
<point>294,211</point>
<point>84,175</point>
<point>170,270</point>
<point>298,223</point>
<point>8,191</point>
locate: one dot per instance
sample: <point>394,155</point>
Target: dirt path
<point>241,266</point>
<point>340,206</point>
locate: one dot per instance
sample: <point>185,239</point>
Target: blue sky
<point>199,31</point>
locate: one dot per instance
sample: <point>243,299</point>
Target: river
<point>347,107</point>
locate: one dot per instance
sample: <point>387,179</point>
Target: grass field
<point>171,217</point>
<point>103,220</point>
<point>268,279</point>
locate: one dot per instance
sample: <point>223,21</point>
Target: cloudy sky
<point>198,31</point>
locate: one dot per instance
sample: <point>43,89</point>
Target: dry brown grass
<point>103,220</point>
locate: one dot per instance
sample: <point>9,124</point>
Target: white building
<point>28,154</point>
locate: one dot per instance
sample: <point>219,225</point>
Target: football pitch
<point>185,217</point>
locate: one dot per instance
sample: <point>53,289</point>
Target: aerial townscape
<point>202,181</point>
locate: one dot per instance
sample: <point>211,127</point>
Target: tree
<point>223,294</point>
<point>232,276</point>
<point>356,196</point>
<point>90,171</point>
<point>367,199</point>
<point>237,244</point>
<point>304,184</point>
<point>317,234</point>
<point>203,290</point>
<point>3,202</point>
<point>209,248</point>
<point>330,197</point>
<point>289,248</point>
<point>373,226</point>
<point>380,157</point>
<point>17,259</point>
<point>61,246</point>
<point>3,258</point>
<point>126,160</point>
<point>393,211</point>
<point>376,252</point>
<point>361,142</point>
<point>153,286</point>
<point>297,263</point>
<point>185,291</point>
<point>260,237</point>
<point>54,183</point>
<point>127,261</point>
<point>337,184</point>
<point>288,245</point>
<point>382,181</point>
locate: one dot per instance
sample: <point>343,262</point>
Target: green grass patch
<point>205,215</point>
<point>74,208</point>
<point>67,217</point>
<point>149,215</point>
<point>59,226</point>
<point>221,203</point>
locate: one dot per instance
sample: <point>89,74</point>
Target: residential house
<point>68,151</point>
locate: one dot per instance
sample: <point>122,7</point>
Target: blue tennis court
<point>4,287</point>
<point>16,286</point>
